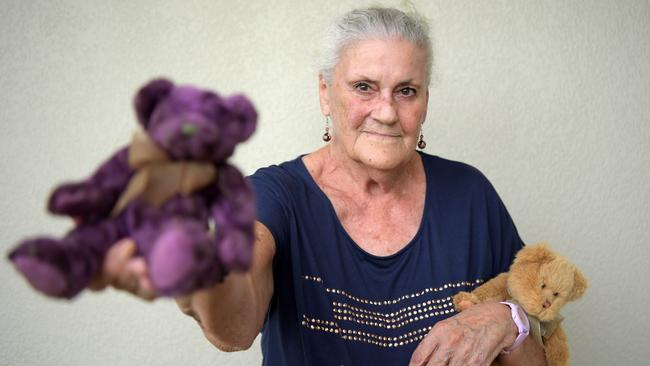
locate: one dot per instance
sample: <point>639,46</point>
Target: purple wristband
<point>523,326</point>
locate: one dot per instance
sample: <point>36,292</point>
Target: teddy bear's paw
<point>43,276</point>
<point>36,260</point>
<point>180,255</point>
<point>78,199</point>
<point>234,203</point>
<point>463,300</point>
<point>235,249</point>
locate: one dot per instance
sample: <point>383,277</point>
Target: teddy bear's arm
<point>493,290</point>
<point>233,211</point>
<point>94,197</point>
<point>463,300</point>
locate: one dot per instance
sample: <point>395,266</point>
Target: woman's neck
<point>332,165</point>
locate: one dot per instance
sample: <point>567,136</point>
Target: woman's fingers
<point>124,271</point>
<point>138,281</point>
<point>116,258</point>
<point>444,345</point>
<point>424,350</point>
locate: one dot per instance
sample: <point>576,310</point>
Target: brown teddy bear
<point>541,281</point>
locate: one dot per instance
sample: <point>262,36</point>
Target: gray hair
<point>373,23</point>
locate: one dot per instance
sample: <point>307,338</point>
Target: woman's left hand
<point>475,336</point>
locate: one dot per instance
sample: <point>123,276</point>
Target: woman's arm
<point>231,314</point>
<point>476,336</point>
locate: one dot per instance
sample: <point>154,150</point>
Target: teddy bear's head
<point>542,281</point>
<point>193,124</point>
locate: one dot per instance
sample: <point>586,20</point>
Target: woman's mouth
<point>381,134</point>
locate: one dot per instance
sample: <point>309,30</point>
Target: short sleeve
<point>272,201</point>
<point>504,237</point>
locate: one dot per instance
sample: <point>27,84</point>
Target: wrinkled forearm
<point>228,313</point>
<point>231,313</point>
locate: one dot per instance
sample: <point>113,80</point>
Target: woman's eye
<point>407,92</point>
<point>362,87</point>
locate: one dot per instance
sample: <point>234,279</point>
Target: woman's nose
<point>385,110</point>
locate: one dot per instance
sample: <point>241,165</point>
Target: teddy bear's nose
<point>188,129</point>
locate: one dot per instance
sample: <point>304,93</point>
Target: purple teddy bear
<point>190,213</point>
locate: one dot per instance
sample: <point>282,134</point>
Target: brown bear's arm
<point>493,290</point>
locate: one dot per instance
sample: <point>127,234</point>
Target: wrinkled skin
<point>175,240</point>
<point>472,337</point>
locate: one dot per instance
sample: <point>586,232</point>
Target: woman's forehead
<point>378,58</point>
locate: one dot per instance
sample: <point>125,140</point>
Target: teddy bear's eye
<point>556,294</point>
<point>543,285</point>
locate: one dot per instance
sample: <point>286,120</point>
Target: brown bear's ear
<point>148,97</point>
<point>537,253</point>
<point>579,285</point>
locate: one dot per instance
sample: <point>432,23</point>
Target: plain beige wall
<point>548,98</point>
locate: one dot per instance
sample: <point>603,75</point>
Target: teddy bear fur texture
<point>190,238</point>
<point>542,282</point>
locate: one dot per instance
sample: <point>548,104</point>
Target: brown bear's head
<point>543,281</point>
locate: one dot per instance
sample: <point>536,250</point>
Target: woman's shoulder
<point>450,168</point>
<point>289,167</point>
<point>454,175</point>
<point>286,175</point>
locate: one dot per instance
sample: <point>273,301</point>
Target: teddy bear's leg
<point>182,258</point>
<point>43,274</point>
<point>63,268</point>
<point>93,198</point>
<point>233,212</point>
<point>556,348</point>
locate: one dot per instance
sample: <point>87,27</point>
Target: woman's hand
<point>475,336</point>
<point>122,270</point>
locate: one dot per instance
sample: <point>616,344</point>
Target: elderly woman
<point>361,244</point>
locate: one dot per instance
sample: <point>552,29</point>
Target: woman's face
<point>377,101</point>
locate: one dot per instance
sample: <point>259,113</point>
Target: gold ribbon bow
<point>157,178</point>
<point>543,330</point>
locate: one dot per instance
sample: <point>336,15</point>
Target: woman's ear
<point>323,90</point>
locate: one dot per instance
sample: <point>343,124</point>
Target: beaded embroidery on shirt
<point>385,323</point>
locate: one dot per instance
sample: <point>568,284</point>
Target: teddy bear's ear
<point>537,253</point>
<point>579,285</point>
<point>245,114</point>
<point>148,97</point>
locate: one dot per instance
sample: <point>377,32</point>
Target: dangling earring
<point>421,143</point>
<point>326,136</point>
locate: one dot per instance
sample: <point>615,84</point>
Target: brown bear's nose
<point>188,129</point>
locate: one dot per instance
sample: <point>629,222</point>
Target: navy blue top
<point>336,304</point>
